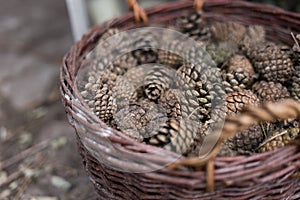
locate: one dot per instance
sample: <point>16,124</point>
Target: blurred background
<point>38,159</point>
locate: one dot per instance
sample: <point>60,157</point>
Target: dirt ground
<point>38,159</point>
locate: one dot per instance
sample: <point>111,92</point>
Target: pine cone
<point>97,66</point>
<point>105,44</point>
<point>220,52</point>
<point>173,135</point>
<point>96,80</point>
<point>272,62</point>
<point>239,63</point>
<point>170,56</point>
<point>279,139</point>
<point>270,91</point>
<point>105,105</point>
<point>202,88</point>
<point>237,73</point>
<point>246,141</point>
<point>145,55</point>
<point>141,119</point>
<point>124,92</point>
<point>88,86</point>
<point>227,150</point>
<point>123,63</point>
<point>235,81</point>
<point>236,100</point>
<point>171,103</point>
<point>170,59</point>
<point>194,27</point>
<point>145,47</point>
<point>295,85</point>
<point>157,81</point>
<point>254,36</point>
<point>232,32</point>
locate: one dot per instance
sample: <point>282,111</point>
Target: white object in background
<point>78,17</point>
<point>102,10</point>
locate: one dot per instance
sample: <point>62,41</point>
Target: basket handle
<point>140,14</point>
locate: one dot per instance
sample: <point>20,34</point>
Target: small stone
<point>5,194</point>
<point>4,133</point>
<point>60,183</point>
<point>3,176</point>
<point>36,172</point>
<point>13,185</point>
<point>58,143</point>
<point>25,139</point>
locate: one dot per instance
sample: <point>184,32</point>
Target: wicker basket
<point>267,175</point>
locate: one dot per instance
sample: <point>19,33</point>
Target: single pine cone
<point>270,91</point>
<point>194,26</point>
<point>145,55</point>
<point>171,103</point>
<point>124,92</point>
<point>228,32</point>
<point>255,35</point>
<point>107,44</point>
<point>236,100</point>
<point>202,87</point>
<point>105,105</point>
<point>220,52</point>
<point>272,62</point>
<point>227,150</point>
<point>237,73</point>
<point>235,81</point>
<point>170,59</point>
<point>89,86</point>
<point>173,135</point>
<point>246,141</point>
<point>171,55</point>
<point>123,63</point>
<point>140,120</point>
<point>239,63</point>
<point>295,85</point>
<point>96,80</point>
<point>97,66</point>
<point>279,139</point>
<point>145,44</point>
<point>157,81</point>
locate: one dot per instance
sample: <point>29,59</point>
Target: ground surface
<point>38,158</point>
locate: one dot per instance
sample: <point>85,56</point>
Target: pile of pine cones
<point>252,70</point>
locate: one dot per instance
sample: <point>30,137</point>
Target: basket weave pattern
<point>262,175</point>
